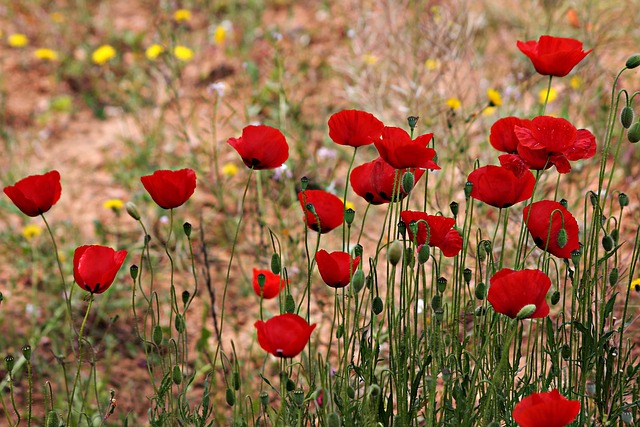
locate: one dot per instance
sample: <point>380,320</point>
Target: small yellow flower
<point>57,17</point>
<point>183,53</point>
<point>181,15</point>
<point>369,59</point>
<point>348,205</point>
<point>542,95</point>
<point>102,54</point>
<point>18,40</point>
<point>46,54</point>
<point>432,64</point>
<point>454,103</point>
<point>489,111</point>
<point>575,82</point>
<point>30,231</point>
<point>219,35</point>
<point>495,99</point>
<point>635,285</point>
<point>113,204</point>
<point>229,169</point>
<point>154,51</point>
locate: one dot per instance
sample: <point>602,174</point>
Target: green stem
<point>80,337</point>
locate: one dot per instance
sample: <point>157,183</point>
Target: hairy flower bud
<point>526,311</point>
<point>633,61</point>
<point>633,134</point>
<point>176,375</point>
<point>275,264</point>
<point>408,181</point>
<point>289,304</point>
<point>394,252</point>
<point>626,117</point>
<point>377,305</point>
<point>132,210</point>
<point>613,276</point>
<point>607,243</point>
<point>481,291</point>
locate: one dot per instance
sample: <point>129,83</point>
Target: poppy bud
<point>304,181</point>
<point>340,331</point>
<point>607,243</point>
<point>176,375</point>
<point>187,229</point>
<point>613,276</point>
<point>236,380</point>
<point>377,305</point>
<point>289,304</point>
<point>468,188</point>
<point>261,280</point>
<point>374,391</point>
<point>626,417</point>
<point>526,311</point>
<point>413,228</point>
<point>275,264</point>
<point>357,251</point>
<point>394,253</point>
<point>311,209</point>
<point>357,281</point>
<point>402,229</point>
<point>334,420</point>
<point>26,352</point>
<point>623,199</point>
<point>264,398</point>
<point>409,259</point>
<point>480,311</point>
<point>593,198</point>
<point>564,203</point>
<point>351,393</point>
<point>408,181</point>
<point>454,208</point>
<point>633,61</point>
<point>481,290</point>
<point>9,362</point>
<point>349,216</point>
<point>230,397</point>
<point>626,117</point>
<point>436,302</point>
<point>52,419</point>
<point>633,134</point>
<point>565,352</point>
<point>423,254</point>
<point>562,237</point>
<point>290,385</point>
<point>133,271</point>
<point>185,297</point>
<point>157,335</point>
<point>467,275</point>
<point>441,283</point>
<point>179,323</point>
<point>413,121</point>
<point>575,256</point>
<point>132,210</point>
<point>555,298</point>
<point>298,397</point>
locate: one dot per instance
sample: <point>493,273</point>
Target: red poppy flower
<point>261,147</point>
<point>441,232</point>
<point>285,335</point>
<point>355,128</point>
<point>336,268</point>
<point>170,189</point>
<point>503,137</point>
<point>398,149</point>
<point>553,56</point>
<point>272,284</point>
<point>95,267</point>
<point>374,181</point>
<point>328,208</point>
<point>549,409</point>
<point>511,291</point>
<point>35,194</point>
<point>500,187</point>
<point>544,223</point>
<point>553,141</point>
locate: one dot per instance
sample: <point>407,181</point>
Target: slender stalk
<point>80,338</point>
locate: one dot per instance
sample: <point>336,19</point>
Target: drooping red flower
<point>511,291</point>
<point>261,147</point>
<point>95,267</point>
<point>548,409</point>
<point>544,223</point>
<point>272,284</point>
<point>35,194</point>
<point>284,335</point>
<point>398,149</point>
<point>553,56</point>
<point>328,208</point>
<point>336,268</point>
<point>354,127</point>
<point>503,137</point>
<point>553,141</point>
<point>374,181</point>
<point>500,187</point>
<point>170,189</point>
<point>441,233</point>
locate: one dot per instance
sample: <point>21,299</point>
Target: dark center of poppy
<point>384,196</point>
<point>255,162</point>
<point>637,288</point>
<point>539,242</point>
<point>280,352</point>
<point>368,197</point>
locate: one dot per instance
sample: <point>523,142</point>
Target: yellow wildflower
<point>30,231</point>
<point>348,204</point>
<point>113,204</point>
<point>18,40</point>
<point>229,169</point>
<point>454,103</point>
<point>46,54</point>
<point>102,54</point>
<point>432,64</point>
<point>219,35</point>
<point>154,51</point>
<point>489,111</point>
<point>369,59</point>
<point>542,95</point>
<point>181,15</point>
<point>495,99</point>
<point>635,285</point>
<point>575,82</point>
<point>57,17</point>
<point>183,53</point>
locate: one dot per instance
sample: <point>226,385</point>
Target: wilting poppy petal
<point>261,147</point>
<point>354,128</point>
<point>553,56</point>
<point>500,187</point>
<point>95,267</point>
<point>35,194</point>
<point>336,268</point>
<point>545,228</point>
<point>549,409</point>
<point>373,181</point>
<point>285,335</point>
<point>398,149</point>
<point>440,233</point>
<point>170,189</point>
<point>511,291</point>
<point>328,208</point>
<point>503,137</point>
<point>272,284</point>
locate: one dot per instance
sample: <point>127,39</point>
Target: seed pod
<point>349,216</point>
<point>264,399</point>
<point>186,227</point>
<point>623,199</point>
<point>468,188</point>
<point>26,351</point>
<point>467,275</point>
<point>298,397</point>
<point>441,284</point>
<point>185,297</point>
<point>133,271</point>
<point>377,305</point>
<point>454,208</point>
